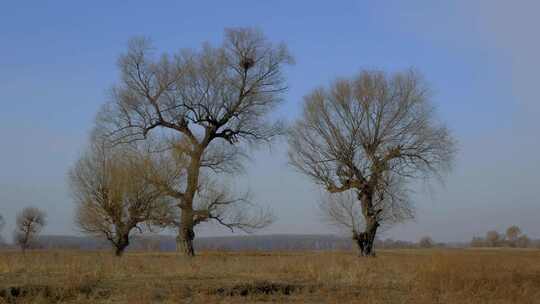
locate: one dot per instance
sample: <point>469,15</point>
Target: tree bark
<point>369,236</point>
<point>186,234</point>
<point>184,240</point>
<point>121,245</point>
<point>358,240</point>
<point>366,239</point>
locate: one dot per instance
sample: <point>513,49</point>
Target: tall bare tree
<point>212,201</point>
<point>214,100</point>
<point>371,135</point>
<point>426,242</point>
<point>113,193</point>
<point>30,221</point>
<point>493,238</point>
<point>512,235</point>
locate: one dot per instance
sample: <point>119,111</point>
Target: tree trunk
<point>369,236</point>
<point>365,240</point>
<point>121,245</point>
<point>25,243</point>
<point>184,240</point>
<point>358,240</point>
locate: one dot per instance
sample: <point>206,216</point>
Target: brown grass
<point>400,276</point>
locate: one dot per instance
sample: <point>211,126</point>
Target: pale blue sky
<point>57,58</point>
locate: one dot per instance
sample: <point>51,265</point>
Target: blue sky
<point>57,60</point>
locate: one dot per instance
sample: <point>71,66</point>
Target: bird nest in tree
<point>247,63</point>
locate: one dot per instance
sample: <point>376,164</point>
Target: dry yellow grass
<point>401,276</point>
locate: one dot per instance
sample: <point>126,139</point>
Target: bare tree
<point>212,201</point>
<point>30,222</point>
<point>493,238</point>
<point>426,242</point>
<point>214,100</point>
<point>512,235</point>
<point>113,193</point>
<point>371,135</point>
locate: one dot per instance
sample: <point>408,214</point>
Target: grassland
<point>400,276</point>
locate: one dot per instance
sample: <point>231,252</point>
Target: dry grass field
<point>400,276</point>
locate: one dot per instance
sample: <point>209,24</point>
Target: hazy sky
<point>481,57</point>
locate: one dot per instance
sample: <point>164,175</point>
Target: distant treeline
<point>513,237</point>
<point>231,243</point>
<point>279,242</point>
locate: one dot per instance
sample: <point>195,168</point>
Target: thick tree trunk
<point>366,239</point>
<point>184,240</point>
<point>121,245</point>
<point>358,240</point>
<point>369,237</point>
